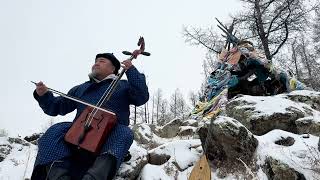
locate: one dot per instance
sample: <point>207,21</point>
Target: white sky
<point>56,42</point>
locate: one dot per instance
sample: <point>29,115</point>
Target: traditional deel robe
<point>52,147</point>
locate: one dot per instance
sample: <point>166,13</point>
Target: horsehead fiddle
<point>90,129</point>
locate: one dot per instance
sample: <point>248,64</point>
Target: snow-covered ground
<point>17,158</point>
<point>303,156</point>
<point>18,164</point>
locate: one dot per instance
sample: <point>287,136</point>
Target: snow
<point>183,128</point>
<point>137,154</point>
<point>180,152</point>
<point>305,93</point>
<point>153,172</point>
<point>19,163</point>
<point>268,105</point>
<point>303,155</point>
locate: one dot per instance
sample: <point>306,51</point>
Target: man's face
<point>102,68</point>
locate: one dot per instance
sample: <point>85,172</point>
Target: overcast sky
<point>56,42</point>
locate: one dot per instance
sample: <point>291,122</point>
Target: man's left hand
<point>127,64</point>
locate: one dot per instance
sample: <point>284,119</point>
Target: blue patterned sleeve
<point>54,106</point>
<point>138,90</point>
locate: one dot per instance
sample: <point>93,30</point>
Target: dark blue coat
<point>132,91</point>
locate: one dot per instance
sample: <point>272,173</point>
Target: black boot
<point>58,171</point>
<point>103,168</point>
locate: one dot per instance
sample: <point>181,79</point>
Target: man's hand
<point>41,88</point>
<point>126,64</point>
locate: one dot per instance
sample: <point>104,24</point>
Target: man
<point>58,160</point>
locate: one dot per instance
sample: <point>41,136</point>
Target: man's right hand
<point>41,88</point>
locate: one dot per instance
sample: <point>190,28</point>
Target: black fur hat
<point>113,60</point>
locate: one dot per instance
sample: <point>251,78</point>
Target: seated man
<point>59,160</point>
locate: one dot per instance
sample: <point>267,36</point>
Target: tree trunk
<point>152,109</point>
<point>306,60</point>
<point>260,29</point>
<point>294,57</point>
<point>145,113</point>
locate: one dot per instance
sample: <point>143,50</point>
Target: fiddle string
<point>99,103</point>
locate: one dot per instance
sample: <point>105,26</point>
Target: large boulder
<point>144,135</point>
<point>278,170</point>
<point>262,114</point>
<point>308,125</point>
<point>171,129</point>
<point>227,140</point>
<point>289,156</point>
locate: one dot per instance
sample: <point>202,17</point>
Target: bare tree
<point>208,39</point>
<point>294,58</point>
<point>178,105</point>
<point>174,104</point>
<point>316,32</point>
<point>183,108</point>
<point>193,97</point>
<point>152,113</point>
<point>164,114</point>
<point>3,133</point>
<point>271,22</point>
<point>158,101</point>
<point>308,59</point>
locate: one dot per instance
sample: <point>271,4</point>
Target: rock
<point>203,132</point>
<point>280,171</point>
<point>132,168</point>
<point>187,130</point>
<point>33,138</point>
<point>308,125</point>
<point>18,141</point>
<point>311,98</point>
<point>181,154</point>
<point>144,135</point>
<point>5,149</point>
<point>283,115</point>
<point>158,159</point>
<point>171,129</point>
<point>228,140</point>
<point>288,141</point>
<point>190,122</point>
